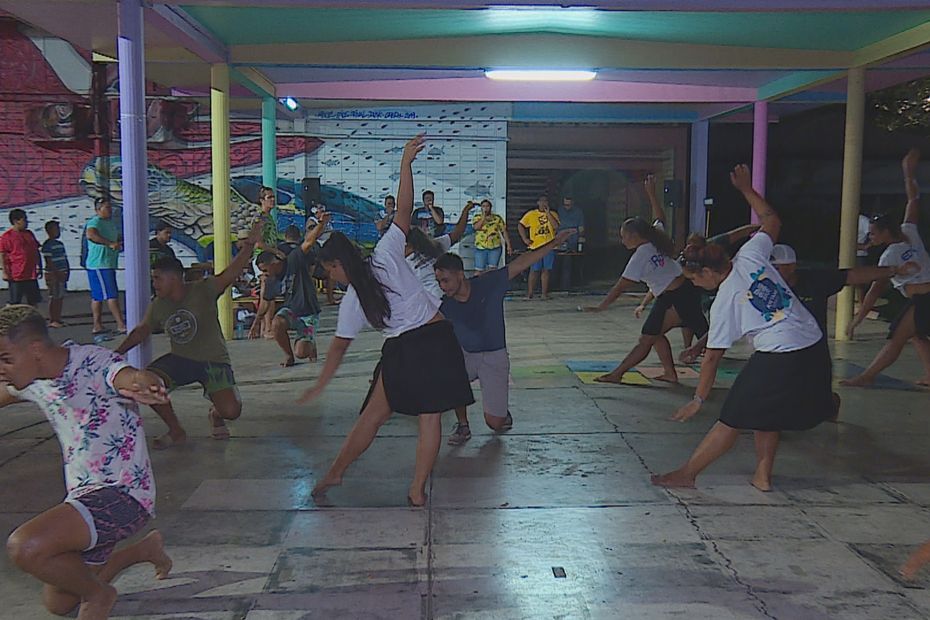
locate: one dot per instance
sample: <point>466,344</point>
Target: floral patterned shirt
<point>101,436</point>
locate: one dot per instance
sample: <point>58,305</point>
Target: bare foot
<point>673,378</point>
<point>152,548</point>
<point>98,605</point>
<point>674,479</point>
<point>923,382</point>
<point>545,298</point>
<point>56,324</point>
<point>761,483</point>
<point>528,298</point>
<point>416,499</point>
<point>857,381</point>
<point>288,362</point>
<point>169,440</point>
<point>325,485</point>
<point>609,378</point>
<point>837,401</point>
<point>218,428</point>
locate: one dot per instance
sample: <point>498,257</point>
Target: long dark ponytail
<point>650,233</point>
<point>423,245</point>
<point>361,276</point>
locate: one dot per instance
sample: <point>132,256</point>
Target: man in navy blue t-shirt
<point>475,306</point>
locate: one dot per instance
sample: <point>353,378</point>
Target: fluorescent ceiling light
<point>541,75</point>
<point>290,103</point>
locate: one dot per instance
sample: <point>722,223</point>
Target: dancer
<point>786,383</point>
<point>491,237</point>
<point>301,309</point>
<point>187,313</point>
<point>422,371</point>
<point>904,244</point>
<point>89,396</point>
<point>537,228</point>
<point>475,306</point>
<point>678,302</point>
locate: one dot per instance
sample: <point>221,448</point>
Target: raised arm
<point>337,350</point>
<point>658,213</point>
<point>313,235</point>
<point>738,234</point>
<point>405,186</point>
<point>909,165</point>
<point>459,231</point>
<point>741,177</point>
<point>527,259</point>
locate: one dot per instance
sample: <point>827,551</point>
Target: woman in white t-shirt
<point>677,301</point>
<point>786,383</point>
<point>422,251</point>
<point>422,370</point>
<point>904,246</point>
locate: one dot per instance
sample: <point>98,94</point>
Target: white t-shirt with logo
<point>651,266</point>
<point>423,266</point>
<point>755,301</point>
<point>902,252</point>
<point>411,306</point>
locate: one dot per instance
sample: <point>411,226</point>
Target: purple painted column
<point>130,49</point>
<point>760,141</point>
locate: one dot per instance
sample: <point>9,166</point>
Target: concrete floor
<point>567,490</point>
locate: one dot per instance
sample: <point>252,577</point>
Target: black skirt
<point>921,306</point>
<point>686,299</point>
<point>423,371</point>
<point>782,391</point>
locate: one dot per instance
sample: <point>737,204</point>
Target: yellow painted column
<point>852,185</point>
<point>219,147</point>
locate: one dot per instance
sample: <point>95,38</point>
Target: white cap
<point>783,255</point>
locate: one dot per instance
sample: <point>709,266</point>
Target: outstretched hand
<point>741,178</point>
<point>310,395</point>
<point>255,233</point>
<point>688,411</point>
<point>413,148</point>
<point>909,163</point>
<point>146,389</point>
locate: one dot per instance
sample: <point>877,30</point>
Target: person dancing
<point>422,370</point>
<point>786,383</point>
<point>89,395</point>
<point>678,302</point>
<point>904,245</point>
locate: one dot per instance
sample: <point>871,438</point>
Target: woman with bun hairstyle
<point>786,383</point>
<point>678,302</point>
<point>904,245</point>
<point>422,370</point>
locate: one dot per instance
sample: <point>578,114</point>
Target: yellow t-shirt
<point>541,229</point>
<point>489,237</point>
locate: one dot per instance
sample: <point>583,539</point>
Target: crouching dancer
<point>90,396</point>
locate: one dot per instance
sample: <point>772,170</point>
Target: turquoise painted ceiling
<point>814,31</point>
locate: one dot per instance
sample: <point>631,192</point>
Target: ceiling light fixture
<point>290,103</point>
<point>541,75</point>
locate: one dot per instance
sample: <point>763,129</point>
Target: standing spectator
<point>22,265</point>
<point>57,272</point>
<point>490,238</point>
<point>429,218</point>
<point>570,217</point>
<point>103,248</point>
<point>862,251</point>
<point>537,228</point>
<point>159,244</point>
<point>386,215</point>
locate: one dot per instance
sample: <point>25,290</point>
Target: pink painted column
<point>760,141</point>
